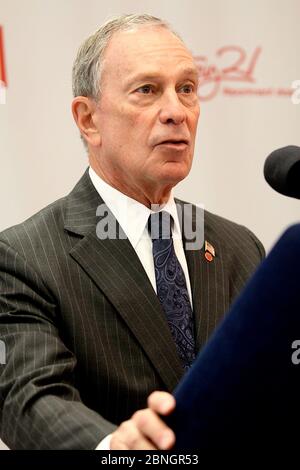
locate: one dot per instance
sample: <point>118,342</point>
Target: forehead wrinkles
<point>170,53</point>
<point>132,51</point>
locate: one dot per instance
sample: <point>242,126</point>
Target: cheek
<point>130,130</point>
<point>193,122</point>
<point>140,121</point>
<point>128,117</point>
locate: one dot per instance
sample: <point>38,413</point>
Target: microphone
<point>282,171</point>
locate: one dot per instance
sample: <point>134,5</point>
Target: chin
<point>171,179</point>
<point>175,171</point>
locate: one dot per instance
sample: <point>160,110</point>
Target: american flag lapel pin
<point>209,251</point>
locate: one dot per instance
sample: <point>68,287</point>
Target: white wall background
<point>41,156</point>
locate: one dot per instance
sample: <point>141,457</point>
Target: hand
<point>145,430</point>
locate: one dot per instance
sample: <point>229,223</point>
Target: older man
<point>99,330</point>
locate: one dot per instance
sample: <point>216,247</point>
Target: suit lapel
<point>116,269</point>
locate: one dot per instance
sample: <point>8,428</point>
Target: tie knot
<point>159,225</point>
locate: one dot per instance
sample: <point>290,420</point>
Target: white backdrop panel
<point>41,156</point>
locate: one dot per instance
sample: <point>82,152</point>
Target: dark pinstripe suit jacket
<point>85,336</point>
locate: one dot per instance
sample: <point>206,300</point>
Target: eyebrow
<point>151,75</point>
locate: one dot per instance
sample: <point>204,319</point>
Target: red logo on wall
<point>3,77</point>
<point>232,73</point>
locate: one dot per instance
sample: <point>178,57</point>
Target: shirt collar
<point>131,214</point>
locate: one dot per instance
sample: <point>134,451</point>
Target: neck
<point>147,195</point>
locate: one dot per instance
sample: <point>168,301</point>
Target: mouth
<point>175,143</point>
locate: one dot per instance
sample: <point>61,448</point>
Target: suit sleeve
<point>40,408</point>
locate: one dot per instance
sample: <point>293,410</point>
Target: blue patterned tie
<point>171,287</point>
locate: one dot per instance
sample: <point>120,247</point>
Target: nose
<point>172,110</point>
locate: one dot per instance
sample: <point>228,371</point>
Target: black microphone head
<point>282,170</point>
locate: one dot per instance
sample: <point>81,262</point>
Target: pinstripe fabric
<point>85,335</point>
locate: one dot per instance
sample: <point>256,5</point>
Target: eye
<point>145,89</point>
<point>187,89</point>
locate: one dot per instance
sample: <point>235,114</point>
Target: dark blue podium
<point>243,390</point>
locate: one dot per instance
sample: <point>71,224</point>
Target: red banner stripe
<point>2,62</point>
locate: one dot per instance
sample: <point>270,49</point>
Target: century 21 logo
<point>296,94</point>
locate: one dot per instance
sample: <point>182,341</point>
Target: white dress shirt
<point>133,218</point>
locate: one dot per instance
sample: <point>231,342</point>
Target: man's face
<point>148,111</point>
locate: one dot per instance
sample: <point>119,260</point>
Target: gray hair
<point>87,66</point>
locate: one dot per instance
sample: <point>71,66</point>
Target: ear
<point>83,109</point>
